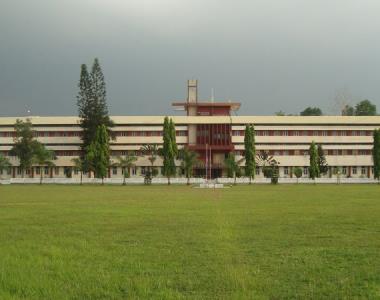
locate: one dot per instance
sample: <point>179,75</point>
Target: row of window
<point>343,170</point>
<point>206,133</point>
<point>79,133</point>
<point>237,152</point>
<point>116,171</point>
<point>306,152</point>
<point>307,132</point>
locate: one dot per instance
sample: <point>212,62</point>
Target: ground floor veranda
<point>140,171</point>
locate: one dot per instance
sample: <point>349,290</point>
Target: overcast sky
<point>270,54</point>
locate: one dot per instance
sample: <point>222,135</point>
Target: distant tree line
<point>363,108</point>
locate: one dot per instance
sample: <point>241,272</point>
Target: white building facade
<point>210,129</point>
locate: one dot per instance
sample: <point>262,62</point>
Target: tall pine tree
<point>249,152</point>
<point>92,106</point>
<point>98,153</point>
<point>169,151</point>
<point>314,168</point>
<point>322,163</point>
<point>376,154</point>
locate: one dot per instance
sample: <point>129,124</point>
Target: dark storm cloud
<point>271,55</point>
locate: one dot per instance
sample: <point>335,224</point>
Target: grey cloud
<point>271,55</point>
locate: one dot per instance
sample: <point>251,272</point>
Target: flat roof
<point>155,120</point>
<point>232,105</point>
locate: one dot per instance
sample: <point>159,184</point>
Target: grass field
<point>158,242</point>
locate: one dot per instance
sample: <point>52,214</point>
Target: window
<point>343,133</point>
<point>257,171</point>
<point>18,171</point>
<point>315,133</point>
<point>296,133</point>
<point>286,171</point>
<point>277,133</point>
<point>46,170</point>
<point>9,171</point>
<point>344,170</point>
<point>143,171</point>
<point>56,170</point>
<point>134,171</point>
<point>324,133</point>
<point>285,133</point>
<point>354,170</point>
<point>181,133</point>
<point>364,169</point>
<point>75,171</point>
<point>305,170</point>
<point>114,171</point>
<point>38,170</point>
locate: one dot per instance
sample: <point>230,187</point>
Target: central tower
<point>211,140</point>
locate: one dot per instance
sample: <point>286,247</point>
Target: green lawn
<point>159,242</point>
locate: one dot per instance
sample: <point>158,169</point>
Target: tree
<point>269,165</point>
<point>24,144</point>
<point>126,163</point>
<point>79,165</point>
<point>376,154</point>
<point>232,166</point>
<point>169,150</point>
<point>151,150</point>
<point>313,168</point>
<point>249,152</point>
<point>348,110</point>
<point>98,153</point>
<point>4,163</point>
<point>92,106</point>
<point>43,158</point>
<point>322,163</point>
<point>297,172</point>
<point>189,159</point>
<point>311,111</point>
<point>173,137</point>
<point>365,108</point>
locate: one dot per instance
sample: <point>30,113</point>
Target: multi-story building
<point>213,130</point>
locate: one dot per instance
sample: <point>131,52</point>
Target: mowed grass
<point>177,242</point>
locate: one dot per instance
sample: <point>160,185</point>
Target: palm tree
<point>189,159</point>
<point>232,166</point>
<point>152,151</point>
<point>4,163</point>
<point>43,157</point>
<point>269,165</point>
<point>79,165</point>
<point>125,163</point>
